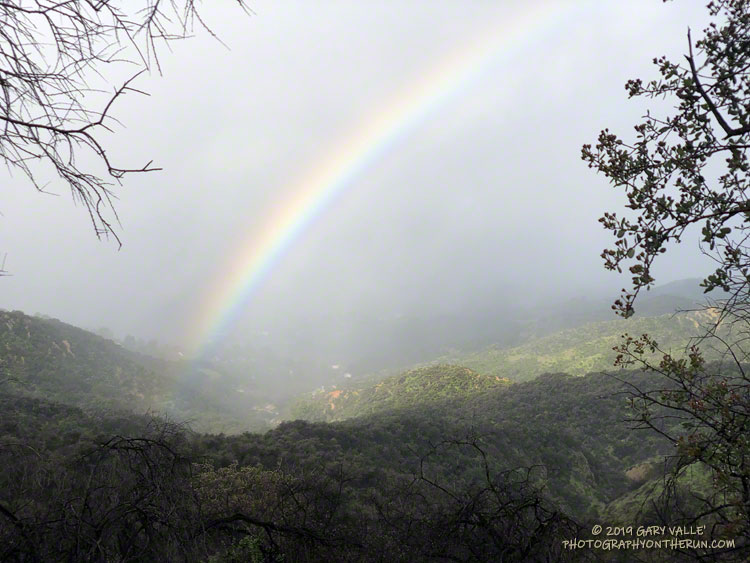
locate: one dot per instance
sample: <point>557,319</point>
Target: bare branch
<point>730,131</point>
<point>51,55</point>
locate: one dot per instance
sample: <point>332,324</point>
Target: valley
<point>552,406</point>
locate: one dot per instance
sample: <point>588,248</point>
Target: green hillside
<point>421,386</point>
<point>51,426</point>
<point>637,505</point>
<point>575,351</point>
<point>355,483</point>
<point>414,454</point>
<point>580,350</point>
<point>573,427</point>
<point>384,475</point>
<point>48,358</point>
<point>51,360</point>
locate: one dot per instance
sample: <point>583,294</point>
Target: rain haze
<point>472,201</point>
<point>350,301</point>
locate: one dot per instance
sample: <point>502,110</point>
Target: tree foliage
<point>147,495</point>
<point>688,168</point>
<point>687,172</point>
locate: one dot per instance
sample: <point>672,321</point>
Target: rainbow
<point>253,260</point>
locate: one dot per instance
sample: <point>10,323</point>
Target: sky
<point>482,198</point>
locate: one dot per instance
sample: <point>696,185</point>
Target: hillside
<point>580,350</point>
<point>572,426</point>
<point>383,481</point>
<point>64,380</point>
<point>51,426</point>
<point>50,360</point>
<point>575,351</point>
<point>421,386</point>
<point>310,492</point>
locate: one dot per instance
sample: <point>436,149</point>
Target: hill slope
<point>51,360</point>
<point>48,358</point>
<point>571,426</point>
<point>580,350</point>
<point>421,386</point>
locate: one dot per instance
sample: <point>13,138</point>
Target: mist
<point>480,213</point>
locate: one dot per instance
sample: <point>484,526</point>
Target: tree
<point>53,57</point>
<point>687,171</point>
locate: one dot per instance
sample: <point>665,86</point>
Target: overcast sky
<point>486,195</point>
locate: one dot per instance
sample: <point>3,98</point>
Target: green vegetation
<point>484,456</point>
<point>421,386</point>
<point>50,360</point>
<point>389,483</point>
<point>572,426</point>
<point>581,350</point>
<point>404,456</point>
<point>685,174</point>
<point>47,358</point>
<point>395,476</point>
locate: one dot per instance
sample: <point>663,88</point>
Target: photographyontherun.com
<point>647,537</point>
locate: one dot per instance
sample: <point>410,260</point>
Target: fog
<point>479,211</point>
